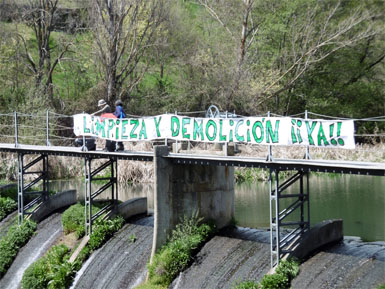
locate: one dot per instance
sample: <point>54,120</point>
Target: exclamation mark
<point>332,140</point>
<point>340,140</point>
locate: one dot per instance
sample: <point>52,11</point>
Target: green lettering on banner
<point>270,134</point>
<point>293,137</point>
<point>231,131</point>
<point>185,120</point>
<point>259,125</point>
<point>310,131</point>
<point>124,123</point>
<point>239,137</point>
<point>85,129</point>
<point>111,124</point>
<point>321,136</point>
<point>198,130</point>
<point>135,122</point>
<point>117,130</point>
<point>175,120</point>
<point>143,131</point>
<point>93,124</point>
<point>248,131</point>
<point>211,123</point>
<point>101,127</point>
<point>157,125</point>
<point>221,137</point>
<point>299,124</point>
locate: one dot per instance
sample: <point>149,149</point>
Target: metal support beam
<point>89,196</point>
<point>281,244</point>
<point>42,175</point>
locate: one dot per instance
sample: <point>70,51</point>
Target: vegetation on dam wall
<point>54,269</point>
<point>10,244</point>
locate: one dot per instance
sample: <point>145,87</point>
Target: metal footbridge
<point>295,217</point>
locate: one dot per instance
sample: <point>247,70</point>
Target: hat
<point>119,102</point>
<point>101,102</point>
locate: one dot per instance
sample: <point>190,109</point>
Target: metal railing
<point>50,128</point>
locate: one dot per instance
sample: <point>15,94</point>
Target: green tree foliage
<point>247,55</point>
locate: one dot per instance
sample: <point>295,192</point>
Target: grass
<point>11,243</point>
<point>178,252</point>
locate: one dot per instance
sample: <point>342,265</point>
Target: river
<point>358,200</point>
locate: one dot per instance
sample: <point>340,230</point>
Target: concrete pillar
<point>181,190</point>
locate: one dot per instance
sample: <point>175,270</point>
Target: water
<point>358,200</point>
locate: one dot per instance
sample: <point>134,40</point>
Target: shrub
<point>10,244</point>
<point>51,271</point>
<point>175,256</point>
<point>73,220</point>
<point>281,279</point>
<point>7,206</point>
<point>104,230</point>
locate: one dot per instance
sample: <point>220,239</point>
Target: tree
<point>286,42</point>
<point>124,30</point>
<point>40,15</point>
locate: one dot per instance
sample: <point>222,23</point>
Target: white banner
<point>254,130</point>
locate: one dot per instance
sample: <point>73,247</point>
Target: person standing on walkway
<point>103,108</point>
<point>119,113</point>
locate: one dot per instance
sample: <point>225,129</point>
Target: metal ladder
<point>282,244</point>
<point>23,190</point>
<point>91,175</point>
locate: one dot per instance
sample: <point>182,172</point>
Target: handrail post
<point>269,151</point>
<point>47,126</point>
<point>307,153</point>
<point>84,147</point>
<point>176,141</point>
<point>226,143</point>
<point>16,130</point>
<point>166,140</point>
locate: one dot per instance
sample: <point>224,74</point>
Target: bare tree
<point>39,15</point>
<point>124,30</point>
<point>311,33</point>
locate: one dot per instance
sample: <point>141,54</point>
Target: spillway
<point>121,262</point>
<point>48,232</point>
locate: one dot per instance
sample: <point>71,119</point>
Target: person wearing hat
<point>103,107</point>
<point>119,113</point>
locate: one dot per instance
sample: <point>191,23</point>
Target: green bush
<point>10,244</point>
<point>73,220</point>
<point>51,271</point>
<point>7,206</point>
<point>103,231</point>
<point>281,279</point>
<point>175,256</point>
<point>275,281</point>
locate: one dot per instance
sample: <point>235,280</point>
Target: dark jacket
<point>119,112</point>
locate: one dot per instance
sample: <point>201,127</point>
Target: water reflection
<point>358,200</point>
